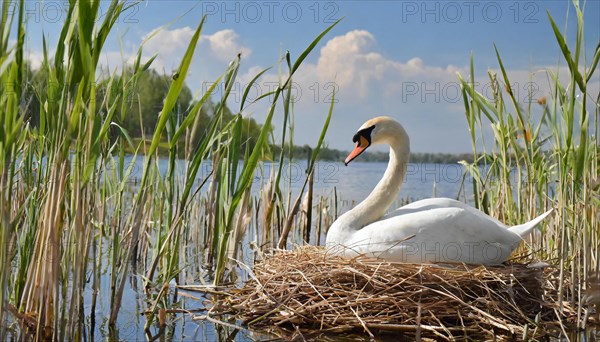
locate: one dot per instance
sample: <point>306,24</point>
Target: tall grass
<point>69,205</point>
<point>543,157</point>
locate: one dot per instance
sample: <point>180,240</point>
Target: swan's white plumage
<point>430,230</point>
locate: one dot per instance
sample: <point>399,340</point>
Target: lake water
<point>352,183</point>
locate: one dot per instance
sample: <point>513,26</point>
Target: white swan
<point>430,230</point>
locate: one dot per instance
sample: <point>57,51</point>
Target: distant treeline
<point>330,154</point>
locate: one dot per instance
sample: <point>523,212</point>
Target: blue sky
<point>396,58</point>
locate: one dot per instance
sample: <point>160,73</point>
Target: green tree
<point>250,128</point>
<point>147,101</point>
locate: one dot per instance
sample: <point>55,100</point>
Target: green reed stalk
<point>250,164</point>
<point>555,164</point>
<point>11,69</point>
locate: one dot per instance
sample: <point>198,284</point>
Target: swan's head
<point>379,130</point>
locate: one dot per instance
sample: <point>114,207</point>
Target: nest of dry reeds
<point>306,292</point>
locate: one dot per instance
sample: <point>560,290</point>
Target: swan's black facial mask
<point>362,139</point>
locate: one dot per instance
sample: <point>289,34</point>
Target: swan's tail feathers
<point>524,229</point>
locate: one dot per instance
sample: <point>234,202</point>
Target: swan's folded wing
<point>449,234</point>
<point>439,203</point>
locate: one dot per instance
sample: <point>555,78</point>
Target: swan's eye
<point>365,133</point>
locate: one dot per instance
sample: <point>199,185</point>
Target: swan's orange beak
<point>361,145</point>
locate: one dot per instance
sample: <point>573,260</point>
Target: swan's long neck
<point>384,194</point>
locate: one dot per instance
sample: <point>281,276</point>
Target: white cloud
<point>352,61</point>
<point>225,45</point>
<point>170,45</point>
<point>35,58</point>
<point>366,83</point>
<point>365,76</point>
<point>168,42</point>
<point>115,60</point>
